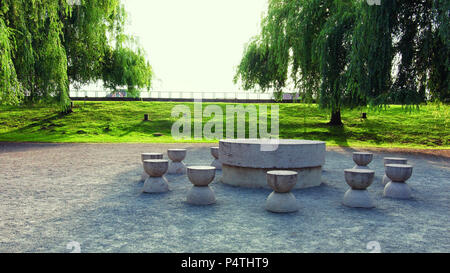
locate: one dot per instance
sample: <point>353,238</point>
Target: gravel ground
<point>52,194</point>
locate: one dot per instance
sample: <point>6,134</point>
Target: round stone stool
<point>392,160</point>
<point>176,166</point>
<point>362,160</point>
<point>281,200</point>
<point>156,182</point>
<point>200,193</point>
<point>398,174</point>
<point>148,156</point>
<point>216,163</point>
<point>358,196</point>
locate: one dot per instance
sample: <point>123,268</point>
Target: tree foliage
<point>349,53</point>
<point>9,88</point>
<point>125,67</point>
<point>49,45</point>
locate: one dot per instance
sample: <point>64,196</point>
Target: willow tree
<point>39,59</point>
<point>9,88</point>
<point>401,52</point>
<point>47,45</point>
<point>333,47</point>
<point>308,41</point>
<point>125,67</point>
<point>350,54</point>
<point>369,74</point>
<point>423,47</point>
<point>88,30</point>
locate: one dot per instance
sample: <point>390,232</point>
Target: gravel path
<point>52,194</point>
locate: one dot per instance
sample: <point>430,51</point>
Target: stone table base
<point>156,185</point>
<point>358,199</point>
<point>281,202</point>
<point>397,190</point>
<point>257,178</point>
<point>176,168</point>
<point>201,196</point>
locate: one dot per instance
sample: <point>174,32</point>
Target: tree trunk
<point>336,118</point>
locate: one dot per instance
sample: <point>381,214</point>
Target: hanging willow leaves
<point>49,45</point>
<point>351,54</point>
<point>10,92</point>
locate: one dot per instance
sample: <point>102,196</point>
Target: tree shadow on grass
<point>44,127</point>
<point>338,134</point>
<point>149,127</point>
<point>45,123</point>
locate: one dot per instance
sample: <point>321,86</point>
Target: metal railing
<point>233,95</point>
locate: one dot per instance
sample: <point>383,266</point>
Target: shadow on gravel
<point>13,147</point>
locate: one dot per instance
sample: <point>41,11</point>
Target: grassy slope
<point>122,122</point>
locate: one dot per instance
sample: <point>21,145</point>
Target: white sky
<point>194,45</point>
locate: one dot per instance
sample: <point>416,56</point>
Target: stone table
<point>245,162</point>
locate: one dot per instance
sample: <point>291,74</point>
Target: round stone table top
<point>272,154</point>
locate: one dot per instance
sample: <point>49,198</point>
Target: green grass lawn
<point>111,122</point>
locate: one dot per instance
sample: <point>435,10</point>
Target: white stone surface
<point>156,167</point>
<point>397,190</point>
<point>395,160</point>
<point>358,199</point>
<point>281,202</point>
<point>392,160</point>
<point>148,156</point>
<point>362,159</point>
<point>257,178</point>
<point>177,166</point>
<point>398,174</point>
<point>156,182</point>
<point>156,185</point>
<point>290,154</point>
<point>201,196</point>
<point>282,181</point>
<point>177,155</point>
<point>215,153</point>
<point>385,180</point>
<point>358,180</point>
<point>245,162</point>
<point>201,176</point>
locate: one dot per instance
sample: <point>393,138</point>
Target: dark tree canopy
<point>48,45</point>
<point>348,53</point>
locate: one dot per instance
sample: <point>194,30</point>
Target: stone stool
<point>398,174</point>
<point>176,166</point>
<point>392,160</point>
<point>358,196</point>
<point>281,200</point>
<point>362,160</point>
<point>201,177</point>
<point>156,182</point>
<point>148,156</point>
<point>216,163</point>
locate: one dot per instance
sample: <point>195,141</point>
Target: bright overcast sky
<point>194,45</point>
